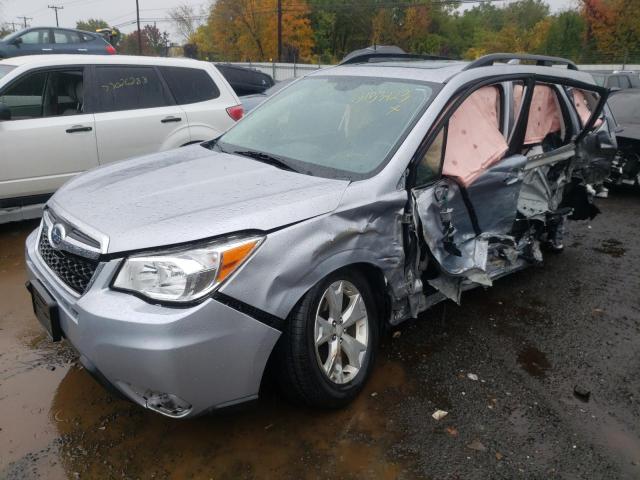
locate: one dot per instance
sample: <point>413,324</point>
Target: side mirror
<point>17,41</point>
<point>5,112</point>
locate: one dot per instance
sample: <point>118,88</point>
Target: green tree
<point>154,42</point>
<point>566,35</point>
<point>91,25</point>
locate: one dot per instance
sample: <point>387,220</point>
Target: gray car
<point>45,40</point>
<point>352,200</point>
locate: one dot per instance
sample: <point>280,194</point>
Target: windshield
<point>340,127</point>
<point>4,69</point>
<point>10,36</point>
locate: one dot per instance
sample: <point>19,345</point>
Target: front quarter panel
<point>365,229</point>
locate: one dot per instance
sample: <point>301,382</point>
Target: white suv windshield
<point>332,126</point>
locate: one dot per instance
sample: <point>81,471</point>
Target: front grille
<point>74,271</point>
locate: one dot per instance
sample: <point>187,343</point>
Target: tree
<point>243,30</point>
<point>185,20</point>
<point>91,25</point>
<point>613,28</point>
<point>154,42</point>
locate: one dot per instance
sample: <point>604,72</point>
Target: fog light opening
<point>167,404</point>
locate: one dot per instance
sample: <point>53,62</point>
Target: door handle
<point>47,49</point>
<point>79,128</point>
<point>171,119</point>
<point>83,50</point>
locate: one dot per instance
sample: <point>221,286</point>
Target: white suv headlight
<point>184,274</point>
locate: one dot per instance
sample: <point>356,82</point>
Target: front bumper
<point>209,355</point>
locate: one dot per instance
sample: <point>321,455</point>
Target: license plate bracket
<point>45,309</point>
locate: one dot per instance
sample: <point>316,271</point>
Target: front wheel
<point>328,349</point>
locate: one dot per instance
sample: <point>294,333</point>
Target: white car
<point>63,114</point>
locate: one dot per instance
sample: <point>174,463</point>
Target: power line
<point>56,8</point>
<point>25,19</point>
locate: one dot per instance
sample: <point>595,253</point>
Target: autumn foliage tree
<point>246,30</point>
<point>613,28</point>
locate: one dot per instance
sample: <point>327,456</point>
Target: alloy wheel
<point>341,332</point>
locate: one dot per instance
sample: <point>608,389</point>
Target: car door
<point>201,99</point>
<point>34,42</point>
<point>67,41</point>
<point>136,113</point>
<point>467,184</point>
<point>597,144</point>
<point>50,136</point>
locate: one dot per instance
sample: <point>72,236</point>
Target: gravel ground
<point>504,365</point>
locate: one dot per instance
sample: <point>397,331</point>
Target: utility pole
<point>56,9</point>
<point>139,33</point>
<point>24,19</point>
<point>279,30</point>
<point>13,26</point>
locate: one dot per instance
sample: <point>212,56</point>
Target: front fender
<point>292,260</point>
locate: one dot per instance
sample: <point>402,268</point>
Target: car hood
<point>630,131</point>
<point>189,194</point>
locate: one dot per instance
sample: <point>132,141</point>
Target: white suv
<point>64,114</point>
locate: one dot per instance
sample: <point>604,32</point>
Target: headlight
<point>184,274</point>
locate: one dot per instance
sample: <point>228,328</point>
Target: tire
<point>299,371</point>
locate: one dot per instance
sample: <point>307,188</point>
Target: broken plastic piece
<point>439,414</point>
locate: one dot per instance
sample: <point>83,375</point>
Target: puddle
<point>534,362</point>
<point>103,436</point>
<point>611,247</point>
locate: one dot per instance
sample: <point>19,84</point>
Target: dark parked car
<point>42,40</point>
<point>617,80</point>
<point>249,102</point>
<point>625,105</point>
<point>245,81</point>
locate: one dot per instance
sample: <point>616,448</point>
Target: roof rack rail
<point>367,57</point>
<point>541,60</point>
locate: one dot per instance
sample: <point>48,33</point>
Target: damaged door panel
<point>498,202</point>
<point>467,215</point>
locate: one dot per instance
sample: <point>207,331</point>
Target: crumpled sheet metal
<point>498,204</point>
<point>361,232</point>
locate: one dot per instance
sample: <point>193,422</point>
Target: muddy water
<point>57,422</point>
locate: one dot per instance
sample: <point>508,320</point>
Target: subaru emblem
<point>56,237</point>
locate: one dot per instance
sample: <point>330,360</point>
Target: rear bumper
<point>208,356</point>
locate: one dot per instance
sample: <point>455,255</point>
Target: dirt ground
<point>530,340</point>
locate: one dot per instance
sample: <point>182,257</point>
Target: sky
<point>121,12</point>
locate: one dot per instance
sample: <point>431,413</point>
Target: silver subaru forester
<point>353,199</point>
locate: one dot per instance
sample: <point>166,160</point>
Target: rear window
<point>66,36</point>
<point>129,88</point>
<point>190,85</point>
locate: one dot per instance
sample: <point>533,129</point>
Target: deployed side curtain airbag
<point>583,108</point>
<point>545,116</point>
<point>474,139</point>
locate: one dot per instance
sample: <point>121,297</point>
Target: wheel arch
<point>376,280</point>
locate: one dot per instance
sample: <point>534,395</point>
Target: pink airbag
<point>474,140</point>
<point>582,106</point>
<point>545,116</point>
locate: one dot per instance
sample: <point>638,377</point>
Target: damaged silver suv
<point>355,198</point>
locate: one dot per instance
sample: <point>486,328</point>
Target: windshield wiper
<point>265,158</point>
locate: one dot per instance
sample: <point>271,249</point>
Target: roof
<point>441,71</point>
<point>53,60</point>
<point>437,71</point>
